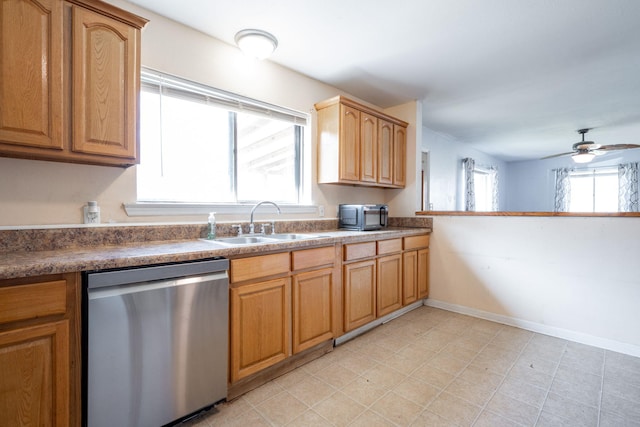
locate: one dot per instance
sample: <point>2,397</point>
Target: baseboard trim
<point>605,343</point>
<point>384,319</point>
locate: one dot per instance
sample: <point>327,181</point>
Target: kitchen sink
<point>244,240</point>
<point>291,236</point>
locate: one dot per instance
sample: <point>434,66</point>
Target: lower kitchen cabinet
<point>312,308</point>
<point>415,268</point>
<point>260,325</point>
<point>389,284</point>
<point>359,293</point>
<point>39,352</point>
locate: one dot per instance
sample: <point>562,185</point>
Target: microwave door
<point>383,216</point>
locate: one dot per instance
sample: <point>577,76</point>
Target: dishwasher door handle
<point>118,290</point>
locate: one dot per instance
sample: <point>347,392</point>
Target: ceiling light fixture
<point>256,43</point>
<point>583,157</point>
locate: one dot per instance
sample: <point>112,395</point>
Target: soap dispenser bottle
<point>212,226</point>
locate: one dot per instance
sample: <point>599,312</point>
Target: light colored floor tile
<point>339,409</point>
<point>619,373</point>
<point>476,393</point>
<point>370,419</point>
<point>474,374</point>
<point>404,364</point>
<point>489,419</point>
<point>546,347</point>
<point>573,411</point>
<point>250,418</point>
<point>530,375</point>
<point>311,391</point>
<point>622,389</point>
<point>428,418</point>
<point>447,363</point>
<point>397,409</point>
<point>281,408</point>
<point>357,362</point>
<point>459,351</point>
<point>454,409</point>
<point>262,393</point>
<point>433,376</point>
<point>523,392</point>
<point>513,409</point>
<point>550,420</point>
<point>435,340</point>
<point>618,405</point>
<point>417,391</point>
<point>364,391</point>
<point>384,376</point>
<point>623,361</point>
<point>336,375</point>
<point>578,391</point>
<point>608,419</point>
<point>309,418</point>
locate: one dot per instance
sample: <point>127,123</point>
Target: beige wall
<point>37,192</point>
<point>576,278</point>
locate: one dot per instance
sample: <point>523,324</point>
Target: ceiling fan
<point>585,151</point>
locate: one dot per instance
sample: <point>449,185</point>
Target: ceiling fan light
<point>583,157</point>
<point>256,43</point>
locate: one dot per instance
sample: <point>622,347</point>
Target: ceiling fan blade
<point>558,155</point>
<point>613,147</point>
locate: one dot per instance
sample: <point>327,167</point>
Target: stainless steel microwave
<point>363,217</point>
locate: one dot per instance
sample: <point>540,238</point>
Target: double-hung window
<point>594,190</point>
<point>203,145</point>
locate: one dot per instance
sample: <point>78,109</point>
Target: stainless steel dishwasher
<point>155,343</point>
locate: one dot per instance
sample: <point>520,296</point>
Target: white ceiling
<point>514,78</point>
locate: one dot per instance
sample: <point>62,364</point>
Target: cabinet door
<point>410,277</point>
<point>399,155</point>
<point>260,325</point>
<point>423,273</point>
<point>312,308</point>
<point>105,85</point>
<point>31,70</point>
<point>385,152</point>
<point>368,148</point>
<point>359,294</point>
<point>349,143</point>
<point>35,375</point>
<point>389,284</point>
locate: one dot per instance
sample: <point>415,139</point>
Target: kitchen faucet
<point>251,225</point>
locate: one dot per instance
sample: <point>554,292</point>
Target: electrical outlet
<point>321,211</point>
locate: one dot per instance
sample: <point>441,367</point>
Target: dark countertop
<point>24,263</point>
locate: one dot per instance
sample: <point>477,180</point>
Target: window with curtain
<point>604,189</point>
<point>202,145</point>
<point>480,186</point>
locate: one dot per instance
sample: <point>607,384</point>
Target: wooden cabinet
<point>389,280</point>
<point>359,294</point>
<point>314,297</point>
<point>357,145</point>
<point>260,313</point>
<point>415,268</point>
<point>260,324</point>
<point>39,351</point>
<point>70,79</point>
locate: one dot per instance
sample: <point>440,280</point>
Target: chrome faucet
<point>252,226</point>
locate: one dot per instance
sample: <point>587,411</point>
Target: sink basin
<point>291,236</point>
<point>244,240</point>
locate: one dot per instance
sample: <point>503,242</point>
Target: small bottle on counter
<point>92,213</point>
<point>212,226</point>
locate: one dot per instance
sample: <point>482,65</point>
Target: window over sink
<point>202,145</point>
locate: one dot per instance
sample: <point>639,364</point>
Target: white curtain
<point>468,165</point>
<point>563,190</point>
<point>628,187</point>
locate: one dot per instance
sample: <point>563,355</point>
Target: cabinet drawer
<point>415,242</point>
<point>313,258</point>
<point>389,246</point>
<point>258,266</point>
<point>359,250</point>
<point>21,302</point>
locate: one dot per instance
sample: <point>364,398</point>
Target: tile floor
<point>432,367</point>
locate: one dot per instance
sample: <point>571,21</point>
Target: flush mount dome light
<point>256,43</point>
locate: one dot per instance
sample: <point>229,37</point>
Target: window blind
<point>169,85</point>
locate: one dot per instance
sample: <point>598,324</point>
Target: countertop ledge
<point>17,264</point>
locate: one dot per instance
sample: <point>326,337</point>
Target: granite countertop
<point>25,259</point>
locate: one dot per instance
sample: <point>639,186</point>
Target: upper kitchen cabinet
<point>358,145</point>
<point>70,81</point>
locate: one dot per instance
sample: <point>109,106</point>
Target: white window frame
<point>593,173</point>
<point>233,102</point>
